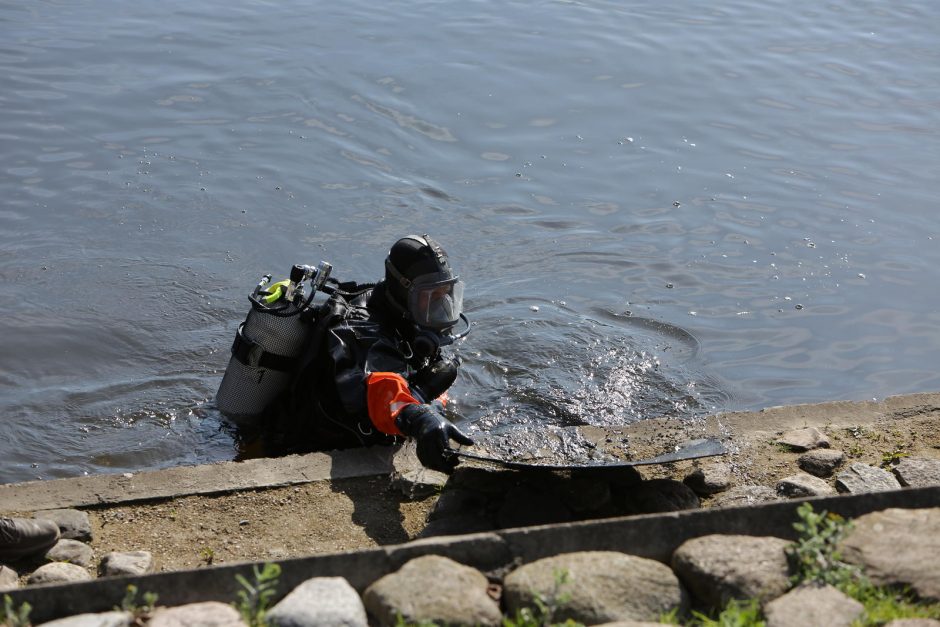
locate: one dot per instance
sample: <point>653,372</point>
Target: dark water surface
<point>658,208</point>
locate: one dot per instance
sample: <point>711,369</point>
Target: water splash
<point>537,379</point>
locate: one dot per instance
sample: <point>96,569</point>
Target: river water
<point>665,208</point>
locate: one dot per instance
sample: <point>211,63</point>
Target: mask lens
<point>437,305</point>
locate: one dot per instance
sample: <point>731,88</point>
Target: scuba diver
<point>370,370</point>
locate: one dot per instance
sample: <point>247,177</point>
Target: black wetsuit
<point>327,407</point>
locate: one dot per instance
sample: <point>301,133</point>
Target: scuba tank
<point>270,344</point>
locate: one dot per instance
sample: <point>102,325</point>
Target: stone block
<point>803,484</point>
<point>916,472</point>
<point>804,439</point>
<point>861,478</point>
<point>120,563</point>
<point>821,462</point>
<point>745,495</point>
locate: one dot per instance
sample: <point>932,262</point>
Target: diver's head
<point>421,284</point>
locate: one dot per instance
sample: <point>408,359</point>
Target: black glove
<point>433,433</point>
<point>435,378</point>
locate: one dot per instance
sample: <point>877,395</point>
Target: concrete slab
<point>772,420</point>
<point>836,413</point>
<point>188,480</point>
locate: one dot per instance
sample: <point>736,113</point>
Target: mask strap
<point>405,281</point>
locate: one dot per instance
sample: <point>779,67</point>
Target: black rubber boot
<point>20,537</point>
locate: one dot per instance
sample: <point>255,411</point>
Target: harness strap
<point>252,354</point>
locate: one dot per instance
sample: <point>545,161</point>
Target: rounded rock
<point>73,552</point>
<point>709,479</point>
<point>595,587</point>
<point>719,568</point>
<point>58,572</point>
<point>207,614</point>
<point>659,495</point>
<point>117,564</point>
<point>821,462</point>
<point>433,589</point>
<point>319,601</point>
<point>102,619</point>
<point>813,605</point>
<point>9,579</point>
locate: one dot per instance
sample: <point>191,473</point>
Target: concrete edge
<point>190,480</point>
<point>653,536</point>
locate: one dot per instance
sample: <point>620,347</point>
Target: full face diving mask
<point>434,303</point>
<point>434,300</point>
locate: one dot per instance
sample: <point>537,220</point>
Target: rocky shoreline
<point>893,547</point>
<point>857,451</point>
<point>476,499</point>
